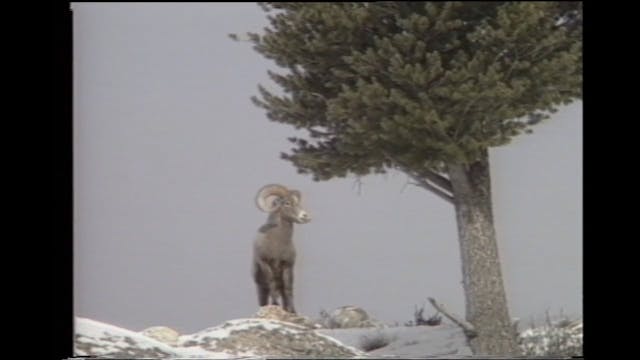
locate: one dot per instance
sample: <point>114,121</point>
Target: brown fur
<point>274,253</point>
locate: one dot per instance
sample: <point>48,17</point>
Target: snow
<point>338,342</point>
<point>269,324</point>
<point>101,339</point>
<point>444,340</point>
<point>224,330</point>
<point>212,332</point>
<point>553,339</point>
<point>409,341</point>
<point>112,339</point>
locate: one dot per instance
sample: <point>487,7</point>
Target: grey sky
<point>169,152</point>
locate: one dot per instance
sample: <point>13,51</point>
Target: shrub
<point>375,341</point>
<point>555,338</point>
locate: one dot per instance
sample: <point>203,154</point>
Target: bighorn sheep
<point>273,253</point>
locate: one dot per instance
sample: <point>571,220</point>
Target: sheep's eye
<point>287,203</point>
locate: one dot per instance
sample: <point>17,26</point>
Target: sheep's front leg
<point>266,283</point>
<point>261,285</point>
<point>263,295</point>
<point>287,291</point>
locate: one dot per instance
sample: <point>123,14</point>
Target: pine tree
<point>426,88</point>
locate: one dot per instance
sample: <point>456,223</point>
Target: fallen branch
<point>467,327</point>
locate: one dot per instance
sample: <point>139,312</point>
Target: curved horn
<point>296,194</point>
<point>264,198</point>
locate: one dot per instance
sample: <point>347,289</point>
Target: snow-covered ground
<point>236,338</point>
<point>256,337</point>
<point>95,338</point>
<point>406,341</point>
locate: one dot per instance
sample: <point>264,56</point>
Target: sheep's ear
<point>296,195</point>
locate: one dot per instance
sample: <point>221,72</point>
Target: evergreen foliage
<point>416,84</point>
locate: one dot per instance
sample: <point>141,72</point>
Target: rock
<point>274,312</point>
<point>346,317</point>
<point>236,338</point>
<point>267,337</point>
<point>162,333</point>
<point>93,338</point>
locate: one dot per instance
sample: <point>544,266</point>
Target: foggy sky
<point>169,152</point>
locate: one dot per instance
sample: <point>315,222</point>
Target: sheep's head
<point>277,198</point>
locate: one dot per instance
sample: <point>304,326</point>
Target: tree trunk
<point>486,302</point>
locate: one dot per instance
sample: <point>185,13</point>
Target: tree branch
<point>438,179</point>
<point>315,132</point>
<point>467,327</point>
<point>422,183</point>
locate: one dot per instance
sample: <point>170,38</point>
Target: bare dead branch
<point>438,179</point>
<point>467,327</point>
<point>426,185</point>
<point>405,185</point>
<point>357,184</point>
<point>445,193</point>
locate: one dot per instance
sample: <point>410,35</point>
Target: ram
<point>274,254</point>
